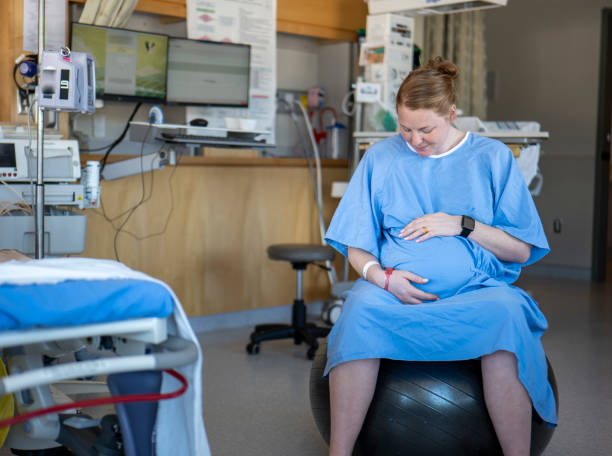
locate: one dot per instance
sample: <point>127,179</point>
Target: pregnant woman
<point>439,223</point>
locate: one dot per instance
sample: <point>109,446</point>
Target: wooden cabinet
<point>170,8</point>
<point>11,43</point>
<point>206,227</point>
<point>328,19</point>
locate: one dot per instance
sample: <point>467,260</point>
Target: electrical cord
<point>6,207</point>
<point>123,399</point>
<point>147,198</point>
<point>345,104</point>
<point>116,141</point>
<point>29,86</point>
<point>121,214</point>
<point>142,198</point>
<point>11,206</point>
<point>159,233</point>
<point>130,210</point>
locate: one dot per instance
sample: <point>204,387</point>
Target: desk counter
<point>203,227</point>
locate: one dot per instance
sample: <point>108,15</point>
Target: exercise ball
<point>424,409</point>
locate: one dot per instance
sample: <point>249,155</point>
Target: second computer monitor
<point>207,73</point>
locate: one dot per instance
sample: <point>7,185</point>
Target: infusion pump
<point>18,160</point>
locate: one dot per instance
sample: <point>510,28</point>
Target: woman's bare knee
<point>500,359</point>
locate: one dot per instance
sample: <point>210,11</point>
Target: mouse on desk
<point>198,122</point>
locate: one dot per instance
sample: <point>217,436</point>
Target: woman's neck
<point>454,137</point>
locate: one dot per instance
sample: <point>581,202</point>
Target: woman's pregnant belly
<point>446,261</point>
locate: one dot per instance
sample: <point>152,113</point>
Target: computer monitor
<point>130,65</point>
<point>208,73</point>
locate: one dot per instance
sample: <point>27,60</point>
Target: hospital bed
<point>77,332</point>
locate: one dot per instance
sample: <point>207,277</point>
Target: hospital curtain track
<point>459,37</point>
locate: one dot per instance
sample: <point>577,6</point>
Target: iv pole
<point>39,217</point>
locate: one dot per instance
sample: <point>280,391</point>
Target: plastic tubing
<point>322,115</point>
<point>318,188</point>
<point>101,401</point>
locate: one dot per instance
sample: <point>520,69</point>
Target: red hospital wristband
<point>388,272</point>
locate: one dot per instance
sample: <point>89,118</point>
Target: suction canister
<point>336,141</point>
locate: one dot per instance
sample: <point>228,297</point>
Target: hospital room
<point>313,228</point>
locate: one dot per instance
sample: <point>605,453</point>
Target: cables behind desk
<point>119,221</point>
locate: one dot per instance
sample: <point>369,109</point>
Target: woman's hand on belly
<point>400,284</point>
<point>431,225</point>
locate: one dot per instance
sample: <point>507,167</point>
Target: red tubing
<point>102,401</point>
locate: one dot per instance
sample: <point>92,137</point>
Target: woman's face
<point>426,131</point>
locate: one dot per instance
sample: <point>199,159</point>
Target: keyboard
<point>232,139</point>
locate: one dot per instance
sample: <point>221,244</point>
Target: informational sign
<point>241,21</point>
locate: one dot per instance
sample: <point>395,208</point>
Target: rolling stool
<point>299,255</point>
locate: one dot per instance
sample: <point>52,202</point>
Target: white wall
<point>297,67</point>
<point>297,62</point>
<point>303,63</point>
<point>545,56</point>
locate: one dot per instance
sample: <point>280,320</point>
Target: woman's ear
<point>453,113</point>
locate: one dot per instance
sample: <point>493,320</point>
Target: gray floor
<point>258,405</point>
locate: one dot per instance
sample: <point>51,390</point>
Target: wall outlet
<point>285,98</point>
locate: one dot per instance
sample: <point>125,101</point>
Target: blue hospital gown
<point>479,311</point>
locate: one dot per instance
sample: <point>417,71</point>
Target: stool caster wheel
<point>252,349</point>
<point>312,352</point>
<point>332,312</point>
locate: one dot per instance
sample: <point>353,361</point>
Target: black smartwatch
<point>467,225</point>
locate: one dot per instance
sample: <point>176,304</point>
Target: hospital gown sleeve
<point>514,210</point>
<point>357,220</point>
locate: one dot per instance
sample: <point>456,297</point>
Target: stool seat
<point>301,253</point>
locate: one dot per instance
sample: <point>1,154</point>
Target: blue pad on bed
<point>80,302</point>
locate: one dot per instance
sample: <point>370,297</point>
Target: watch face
<point>468,223</point>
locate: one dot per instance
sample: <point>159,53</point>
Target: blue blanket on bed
<point>79,302</point>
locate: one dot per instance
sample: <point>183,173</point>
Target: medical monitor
<point>208,73</point>
<point>130,65</point>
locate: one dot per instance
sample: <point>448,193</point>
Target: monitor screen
<point>129,65</point>
<point>7,155</point>
<point>208,73</point>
